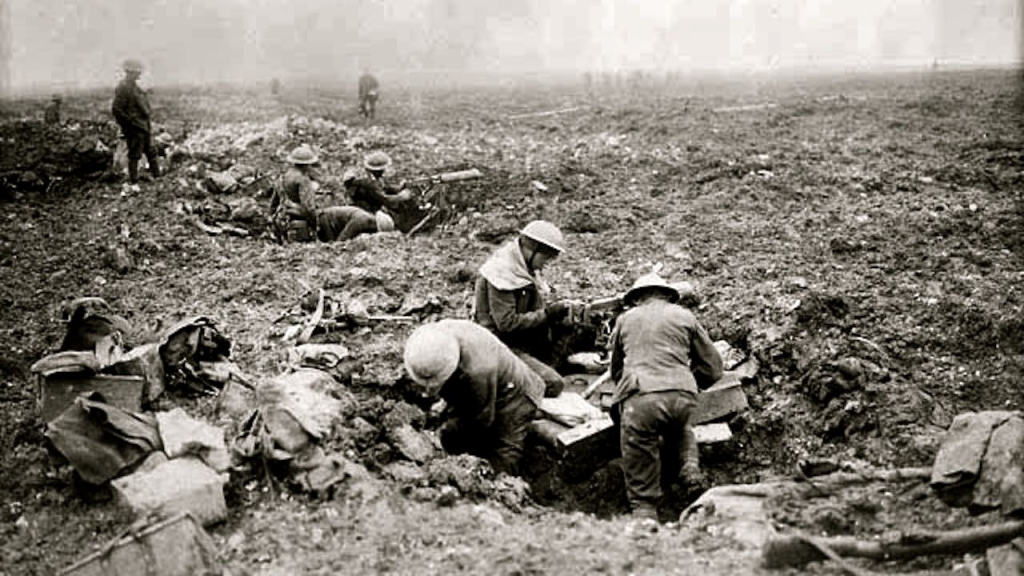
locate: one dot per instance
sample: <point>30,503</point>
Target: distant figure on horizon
<point>132,112</point>
<point>275,86</point>
<point>52,114</point>
<point>368,94</point>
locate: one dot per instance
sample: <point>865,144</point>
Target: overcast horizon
<point>51,44</point>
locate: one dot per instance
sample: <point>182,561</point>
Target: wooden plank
<point>712,433</point>
<point>722,399</point>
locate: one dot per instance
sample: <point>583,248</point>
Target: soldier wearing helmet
<point>490,395</point>
<point>509,298</point>
<point>372,193</point>
<point>296,216</point>
<point>132,112</point>
<point>659,355</point>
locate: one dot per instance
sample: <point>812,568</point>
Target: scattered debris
<point>547,113</point>
<point>175,546</point>
<point>745,108</point>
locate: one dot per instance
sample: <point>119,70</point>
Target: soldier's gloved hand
<point>557,311</point>
<point>404,195</point>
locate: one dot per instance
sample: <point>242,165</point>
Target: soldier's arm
<point>615,349</point>
<point>503,311</point>
<point>705,361</point>
<point>307,198</point>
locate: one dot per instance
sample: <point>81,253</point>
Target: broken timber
<point>547,113</point>
<point>177,546</point>
<point>799,550</point>
<point>585,447</point>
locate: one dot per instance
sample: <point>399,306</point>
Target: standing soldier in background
<point>368,94</point>
<point>132,112</point>
<point>52,114</point>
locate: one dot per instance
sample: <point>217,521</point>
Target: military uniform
<point>509,302</point>
<point>659,351</point>
<point>368,94</point>
<point>491,397</point>
<point>132,112</point>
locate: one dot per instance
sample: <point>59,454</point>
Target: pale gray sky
<point>64,43</point>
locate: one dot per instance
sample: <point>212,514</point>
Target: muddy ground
<point>861,236</point>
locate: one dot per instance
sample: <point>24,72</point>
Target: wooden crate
<point>177,546</point>
<point>58,391</point>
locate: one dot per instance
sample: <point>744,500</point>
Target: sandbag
<point>958,463</point>
<point>100,440</point>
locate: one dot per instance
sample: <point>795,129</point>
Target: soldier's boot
<point>133,170</point>
<point>154,165</point>
<point>694,477</point>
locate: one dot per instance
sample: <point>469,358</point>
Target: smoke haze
<point>61,44</point>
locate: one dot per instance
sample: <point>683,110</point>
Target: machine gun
<point>430,197</point>
<point>426,184</point>
<point>600,314</point>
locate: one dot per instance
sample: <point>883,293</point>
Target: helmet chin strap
<point>533,253</point>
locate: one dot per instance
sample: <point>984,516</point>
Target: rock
<point>180,485</point>
<point>119,259</point>
<point>488,516</point>
<point>403,414</point>
<point>405,473</point>
<point>412,444</point>
<point>424,494</point>
<point>447,496</point>
<point>29,180</point>
<point>362,432</point>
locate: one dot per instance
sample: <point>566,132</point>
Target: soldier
<point>296,216</point>
<point>52,114</point>
<point>293,204</point>
<point>490,395</point>
<point>132,112</point>
<point>509,298</point>
<point>659,354</point>
<point>372,193</point>
<point>368,94</point>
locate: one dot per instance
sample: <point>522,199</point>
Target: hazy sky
<point>81,42</point>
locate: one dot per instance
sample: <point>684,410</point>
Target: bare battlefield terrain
<point>874,217</point>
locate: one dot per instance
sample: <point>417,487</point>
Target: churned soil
<point>862,237</point>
